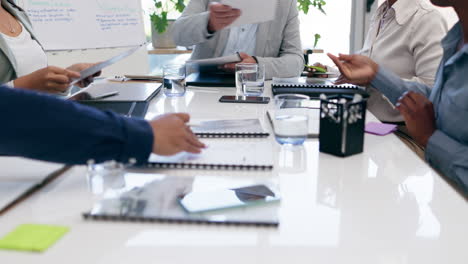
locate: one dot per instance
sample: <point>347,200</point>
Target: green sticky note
<point>32,237</point>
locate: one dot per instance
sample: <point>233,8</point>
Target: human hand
<point>355,69</point>
<point>419,116</point>
<point>172,135</point>
<point>245,58</point>
<point>313,72</point>
<point>221,16</point>
<point>50,79</point>
<point>83,66</point>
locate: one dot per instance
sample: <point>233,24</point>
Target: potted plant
<point>160,24</point>
<point>304,6</point>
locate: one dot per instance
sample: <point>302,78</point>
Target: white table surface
<point>382,206</point>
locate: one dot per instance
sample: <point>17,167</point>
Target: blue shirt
<point>447,148</point>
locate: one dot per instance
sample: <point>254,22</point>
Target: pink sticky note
<point>380,129</point>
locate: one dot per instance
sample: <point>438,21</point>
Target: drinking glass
<point>174,80</point>
<point>291,119</point>
<point>253,84</point>
<point>241,70</point>
<point>102,176</point>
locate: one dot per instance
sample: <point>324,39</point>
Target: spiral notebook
<point>246,154</point>
<point>233,128</point>
<point>313,87</point>
<point>138,197</point>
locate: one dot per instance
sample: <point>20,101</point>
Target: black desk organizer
<point>342,124</point>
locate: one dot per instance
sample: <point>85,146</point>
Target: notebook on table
<point>20,177</point>
<point>221,154</point>
<point>211,79</point>
<point>157,198</point>
<point>231,128</point>
<point>207,72</point>
<point>132,98</point>
<point>313,87</point>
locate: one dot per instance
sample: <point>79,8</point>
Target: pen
<point>105,95</point>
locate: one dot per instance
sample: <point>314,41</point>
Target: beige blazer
<point>278,43</point>
<point>408,45</point>
<point>8,63</point>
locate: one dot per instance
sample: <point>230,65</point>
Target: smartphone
<point>244,99</point>
<point>199,201</point>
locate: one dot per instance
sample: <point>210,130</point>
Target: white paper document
<point>232,152</point>
<point>233,126</point>
<point>252,12</point>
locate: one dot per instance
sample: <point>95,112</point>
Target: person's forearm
<point>393,86</point>
<point>42,127</point>
<point>191,30</point>
<point>191,27</point>
<point>449,157</point>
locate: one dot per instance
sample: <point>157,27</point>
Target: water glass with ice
<point>174,80</point>
<point>291,119</point>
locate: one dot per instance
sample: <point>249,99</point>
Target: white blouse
<point>405,39</point>
<point>27,52</point>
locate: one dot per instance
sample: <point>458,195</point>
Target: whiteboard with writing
<point>84,24</point>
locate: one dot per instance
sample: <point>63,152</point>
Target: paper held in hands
<point>100,66</point>
<point>252,12</point>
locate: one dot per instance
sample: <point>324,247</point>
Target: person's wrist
<point>21,83</point>
<point>426,137</point>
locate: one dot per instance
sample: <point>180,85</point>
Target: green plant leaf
<point>316,39</point>
<point>158,4</point>
<point>159,21</point>
<point>304,5</point>
<point>179,5</point>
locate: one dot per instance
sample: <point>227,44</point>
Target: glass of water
<point>244,69</point>
<point>174,80</point>
<point>253,83</point>
<point>291,118</point>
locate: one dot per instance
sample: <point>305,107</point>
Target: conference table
<point>385,205</point>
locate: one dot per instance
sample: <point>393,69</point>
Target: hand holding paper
<point>221,16</point>
<point>252,12</point>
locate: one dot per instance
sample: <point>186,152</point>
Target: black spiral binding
<point>233,135</point>
<point>319,86</point>
<point>174,220</point>
<point>203,166</point>
<point>315,90</point>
